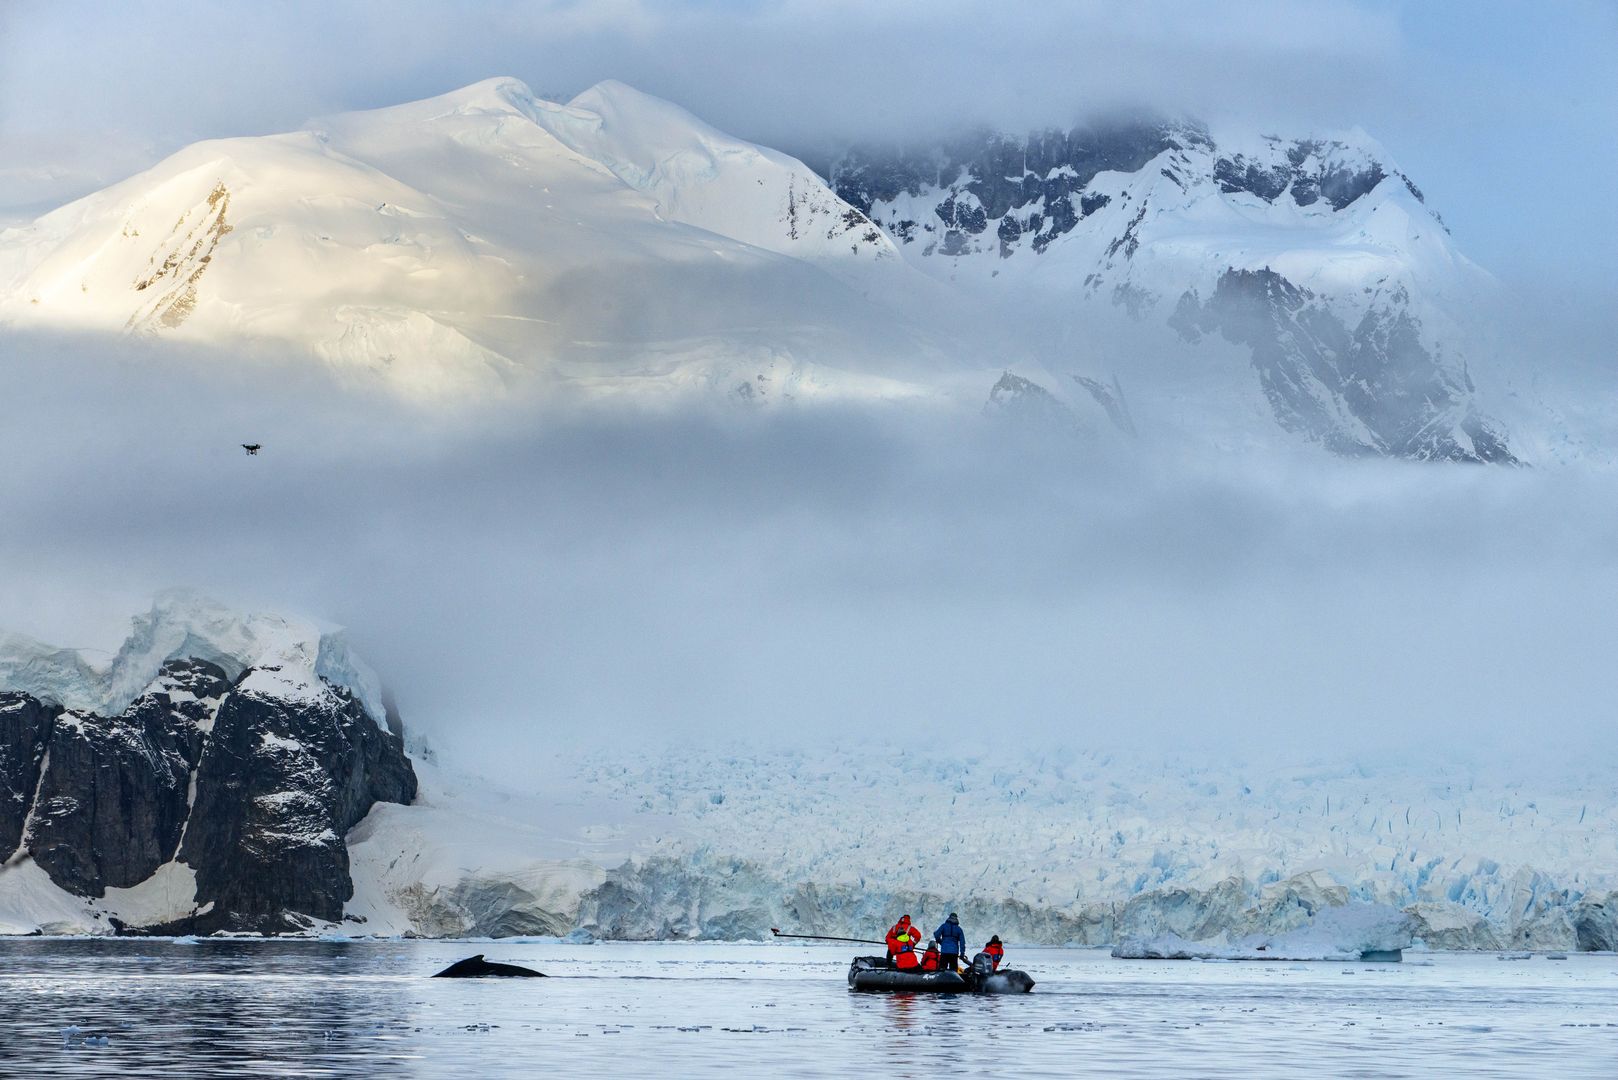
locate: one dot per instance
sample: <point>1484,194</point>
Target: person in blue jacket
<point>951,943</point>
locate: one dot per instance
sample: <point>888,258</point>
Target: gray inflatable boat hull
<point>872,973</point>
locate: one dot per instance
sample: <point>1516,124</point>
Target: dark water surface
<point>182,1009</point>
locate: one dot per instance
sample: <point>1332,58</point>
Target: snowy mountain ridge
<point>451,246</point>
<point>1318,254</point>
<point>487,242</point>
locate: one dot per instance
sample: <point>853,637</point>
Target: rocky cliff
<point>214,801</point>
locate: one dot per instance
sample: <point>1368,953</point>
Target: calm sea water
<point>180,1009</point>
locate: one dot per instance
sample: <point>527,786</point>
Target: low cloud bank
<point>526,579</point>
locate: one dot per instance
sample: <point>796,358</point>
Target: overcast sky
<point>1505,113</point>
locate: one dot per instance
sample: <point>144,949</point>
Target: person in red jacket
<point>893,935</point>
<point>929,959</point>
<point>902,941</point>
<point>996,951</point>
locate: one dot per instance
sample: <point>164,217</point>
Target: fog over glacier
<point>532,579</point>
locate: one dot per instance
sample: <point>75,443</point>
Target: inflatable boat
<point>873,973</point>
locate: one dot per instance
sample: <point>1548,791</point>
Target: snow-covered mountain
<point>1319,255</point>
<point>455,245</point>
<point>487,241</point>
<point>204,779</point>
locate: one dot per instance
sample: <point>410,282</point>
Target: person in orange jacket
<point>996,951</point>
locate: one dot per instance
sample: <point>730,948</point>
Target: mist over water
<point>526,577</point>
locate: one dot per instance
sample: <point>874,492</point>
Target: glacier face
<point>1058,847</point>
<point>1115,840</point>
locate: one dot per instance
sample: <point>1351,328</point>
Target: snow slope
<point>703,177</point>
<point>455,246</point>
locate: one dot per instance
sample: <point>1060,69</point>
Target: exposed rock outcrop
<point>1370,388</point>
<point>250,783</point>
<point>1356,348</point>
<point>25,727</point>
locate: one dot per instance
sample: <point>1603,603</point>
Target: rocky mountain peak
<point>213,800</point>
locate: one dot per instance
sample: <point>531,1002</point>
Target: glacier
<point>1353,931</point>
<point>1065,847</point>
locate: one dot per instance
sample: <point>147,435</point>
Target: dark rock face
<point>1029,403</point>
<point>113,798</point>
<point>1371,388</point>
<point>1312,170</point>
<point>25,726</point>
<point>278,788</point>
<point>1036,185</point>
<point>1032,186</point>
<point>253,791</point>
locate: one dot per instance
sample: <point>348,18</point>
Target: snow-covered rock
<point>288,657</point>
<point>1318,255</point>
<point>214,799</point>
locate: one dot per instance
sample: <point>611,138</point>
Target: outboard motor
<point>986,980</point>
